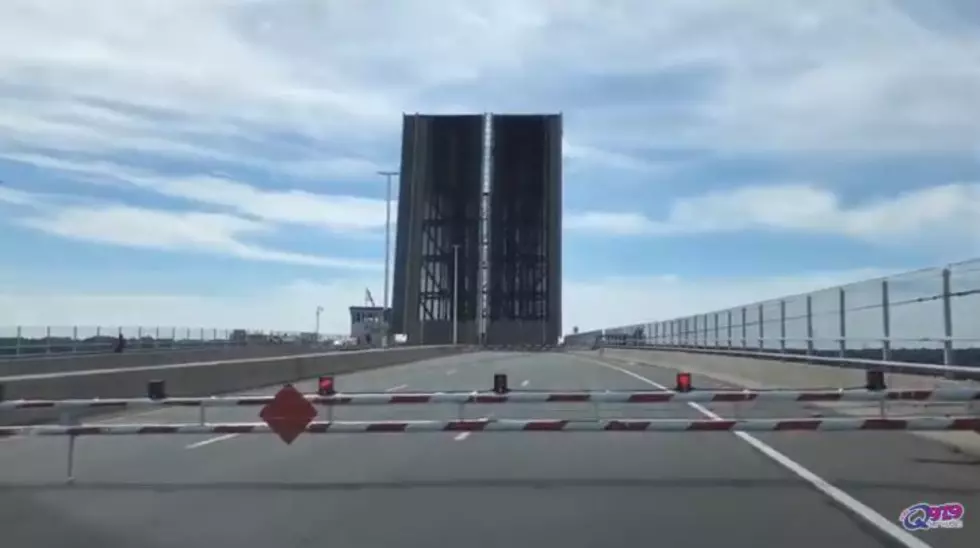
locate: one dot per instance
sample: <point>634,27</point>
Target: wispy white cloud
<point>929,215</point>
<point>624,300</point>
<point>165,230</point>
<point>16,197</point>
<point>337,213</point>
<point>285,306</point>
<point>795,75</point>
<point>585,156</point>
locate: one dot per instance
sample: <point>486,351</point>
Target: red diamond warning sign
<point>288,414</point>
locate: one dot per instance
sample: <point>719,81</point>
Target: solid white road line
<point>209,441</point>
<point>864,511</point>
<point>396,388</point>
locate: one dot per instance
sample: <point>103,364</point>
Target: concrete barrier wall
<point>763,373</point>
<point>140,358</point>
<point>198,379</point>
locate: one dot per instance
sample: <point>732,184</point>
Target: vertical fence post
<point>948,358</point>
<point>695,332</point>
<point>729,328</point>
<point>782,325</point>
<point>717,331</point>
<point>886,323</point>
<point>745,332</point>
<point>809,325</point>
<point>47,339</point>
<point>842,320</point>
<point>17,341</point>
<point>762,329</point>
<point>74,338</point>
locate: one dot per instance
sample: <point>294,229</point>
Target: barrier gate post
<point>70,472</point>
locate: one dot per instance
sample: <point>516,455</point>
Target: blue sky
<point>213,162</point>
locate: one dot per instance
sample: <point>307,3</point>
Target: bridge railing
<point>20,342</point>
<point>929,316</point>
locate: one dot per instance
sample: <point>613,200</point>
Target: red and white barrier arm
<point>700,396</point>
<point>507,425</point>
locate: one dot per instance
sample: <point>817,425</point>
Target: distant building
<point>368,321</point>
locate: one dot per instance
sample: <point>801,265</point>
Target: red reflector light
<point>325,386</point>
<point>683,382</point>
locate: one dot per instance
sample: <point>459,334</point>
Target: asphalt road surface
<point>543,489</point>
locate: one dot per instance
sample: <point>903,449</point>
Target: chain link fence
<point>927,316</point>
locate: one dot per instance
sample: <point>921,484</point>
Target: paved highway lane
<point>577,489</point>
<point>887,471</point>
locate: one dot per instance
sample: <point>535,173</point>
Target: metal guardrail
<point>924,317</point>
<point>23,342</point>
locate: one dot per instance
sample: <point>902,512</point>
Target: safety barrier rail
<point>491,398</point>
<point>290,413</point>
<point>925,316</point>
<point>920,424</point>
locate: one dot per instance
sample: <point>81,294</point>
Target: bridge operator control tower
<point>482,192</point>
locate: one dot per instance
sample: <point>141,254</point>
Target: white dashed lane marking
<point>209,441</point>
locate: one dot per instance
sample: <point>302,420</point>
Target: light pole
<point>455,294</point>
<point>319,309</point>
<point>384,310</point>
